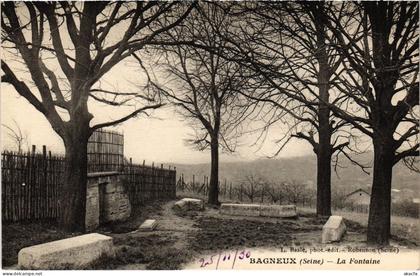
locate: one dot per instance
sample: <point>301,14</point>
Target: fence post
<point>240,194</point>
<point>230,191</point>
<point>174,188</point>
<point>182,182</point>
<point>44,185</point>
<point>262,195</point>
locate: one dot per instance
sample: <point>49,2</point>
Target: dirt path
<point>172,233</point>
<point>177,226</point>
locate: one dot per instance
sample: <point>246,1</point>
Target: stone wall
<point>106,200</point>
<point>92,205</point>
<point>116,204</point>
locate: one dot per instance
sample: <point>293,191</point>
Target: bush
<point>405,209</point>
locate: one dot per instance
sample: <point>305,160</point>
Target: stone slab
<point>333,230</point>
<point>189,204</point>
<point>252,210</point>
<point>278,211</point>
<point>71,253</point>
<point>194,204</point>
<point>148,225</point>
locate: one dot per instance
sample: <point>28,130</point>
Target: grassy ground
<point>179,238</point>
<point>156,250</point>
<point>16,236</point>
<point>403,229</point>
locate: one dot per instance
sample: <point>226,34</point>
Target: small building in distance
<point>358,198</point>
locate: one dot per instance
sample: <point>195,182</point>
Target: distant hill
<point>302,169</point>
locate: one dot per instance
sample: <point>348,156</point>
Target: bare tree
<point>379,80</point>
<point>338,198</point>
<point>276,192</point>
<point>252,186</point>
<point>19,138</point>
<point>295,191</point>
<point>205,86</point>
<point>286,45</point>
<point>85,40</point>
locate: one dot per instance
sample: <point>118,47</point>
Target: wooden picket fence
<point>201,187</point>
<point>105,151</point>
<point>240,192</point>
<point>148,183</point>
<point>31,183</point>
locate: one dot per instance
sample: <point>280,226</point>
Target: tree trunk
<point>214,174</point>
<point>72,204</point>
<point>323,200</point>
<point>324,148</point>
<point>379,224</point>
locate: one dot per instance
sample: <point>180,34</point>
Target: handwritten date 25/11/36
<point>223,257</point>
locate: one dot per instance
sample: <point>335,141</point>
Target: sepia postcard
<point>210,135</point>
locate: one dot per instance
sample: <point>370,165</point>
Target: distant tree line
<point>254,188</point>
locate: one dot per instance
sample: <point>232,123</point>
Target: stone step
<point>148,225</point>
<point>71,253</point>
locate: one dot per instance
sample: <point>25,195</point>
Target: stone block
<point>194,204</point>
<point>148,225</point>
<point>180,205</point>
<point>189,204</point>
<point>252,210</point>
<point>278,211</point>
<point>71,253</point>
<point>333,230</point>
